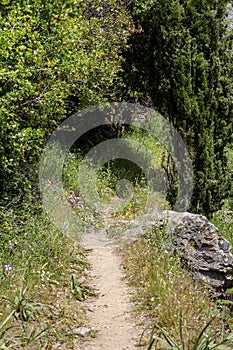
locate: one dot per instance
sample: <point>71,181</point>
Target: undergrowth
<point>42,279</point>
<point>163,289</point>
<point>37,263</point>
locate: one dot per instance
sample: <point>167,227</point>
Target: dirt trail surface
<point>110,313</point>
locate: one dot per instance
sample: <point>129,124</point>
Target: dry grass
<point>163,289</point>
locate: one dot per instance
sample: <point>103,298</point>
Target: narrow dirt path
<point>110,314</point>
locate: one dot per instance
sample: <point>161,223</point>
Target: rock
<point>81,331</point>
<point>200,245</point>
<point>202,248</point>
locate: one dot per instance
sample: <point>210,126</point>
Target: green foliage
<point>223,220</point>
<point>6,341</point>
<point>186,73</point>
<point>33,336</point>
<point>56,58</point>
<point>24,306</point>
<point>36,263</point>
<point>78,290</point>
<point>141,144</point>
<point>201,341</point>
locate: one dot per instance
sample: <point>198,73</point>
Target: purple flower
<point>71,202</point>
<point>11,246</point>
<point>8,267</point>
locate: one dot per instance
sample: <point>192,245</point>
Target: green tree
<point>56,57</point>
<point>185,71</point>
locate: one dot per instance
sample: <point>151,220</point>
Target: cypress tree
<point>186,70</point>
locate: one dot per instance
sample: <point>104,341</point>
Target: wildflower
<point>11,247</point>
<point>52,182</point>
<point>71,193</point>
<point>7,267</point>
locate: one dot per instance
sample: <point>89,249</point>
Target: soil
<point>110,313</point>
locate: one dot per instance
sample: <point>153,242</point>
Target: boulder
<point>199,244</point>
<point>202,248</point>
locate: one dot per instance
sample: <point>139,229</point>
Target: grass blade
<point>197,341</point>
<point>181,330</point>
<point>7,319</point>
<point>168,339</point>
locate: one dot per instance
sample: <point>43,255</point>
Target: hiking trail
<point>109,315</point>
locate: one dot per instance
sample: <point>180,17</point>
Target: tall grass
<point>163,288</point>
<point>37,263</point>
